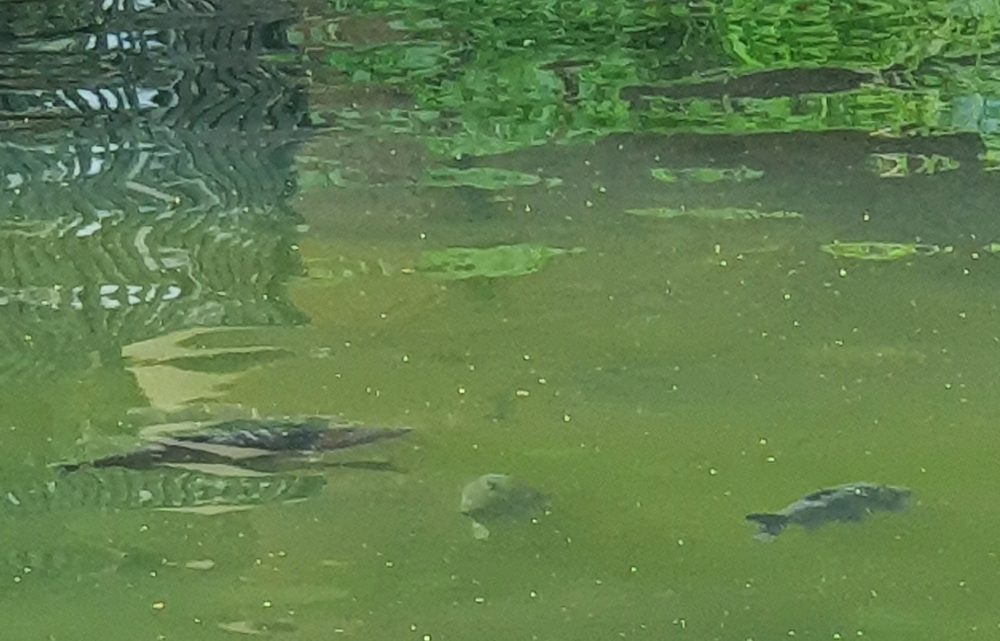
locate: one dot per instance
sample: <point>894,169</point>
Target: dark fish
<point>850,502</point>
<point>254,444</point>
<point>312,434</point>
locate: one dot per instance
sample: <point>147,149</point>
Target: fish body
<point>492,498</point>
<point>313,434</point>
<point>246,442</point>
<point>844,503</point>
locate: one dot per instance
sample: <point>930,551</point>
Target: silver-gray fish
<point>849,502</point>
<point>252,443</point>
<point>497,497</point>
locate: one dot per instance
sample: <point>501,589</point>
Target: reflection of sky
<point>976,113</point>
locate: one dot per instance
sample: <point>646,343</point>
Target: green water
<point>671,377</point>
<point>657,393</point>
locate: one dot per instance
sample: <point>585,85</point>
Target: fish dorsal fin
<point>819,495</point>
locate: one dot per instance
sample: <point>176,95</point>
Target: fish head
<point>892,498</point>
<point>483,491</point>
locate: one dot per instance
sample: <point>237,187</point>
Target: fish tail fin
<point>771,525</point>
<point>66,468</point>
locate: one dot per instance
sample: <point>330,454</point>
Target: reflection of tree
<point>145,156</point>
<point>853,35</point>
<point>500,81</point>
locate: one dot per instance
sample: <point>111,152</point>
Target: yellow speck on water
<point>461,390</point>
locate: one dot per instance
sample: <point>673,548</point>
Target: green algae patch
<point>706,174</point>
<point>706,213</point>
<point>502,261</point>
<point>900,165</point>
<point>879,251</point>
<point>488,178</point>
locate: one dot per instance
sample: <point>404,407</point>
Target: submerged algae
<point>901,165</point>
<point>705,213</point>
<point>880,251</point>
<point>488,178</point>
<point>706,174</point>
<point>459,263</point>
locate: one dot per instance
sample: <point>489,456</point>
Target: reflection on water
<point>145,163</point>
<point>630,272</point>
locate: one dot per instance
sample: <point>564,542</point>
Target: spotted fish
<point>115,488</point>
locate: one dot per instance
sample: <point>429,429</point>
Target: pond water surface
<point>257,213</point>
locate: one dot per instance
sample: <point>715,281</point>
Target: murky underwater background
<point>212,205</point>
